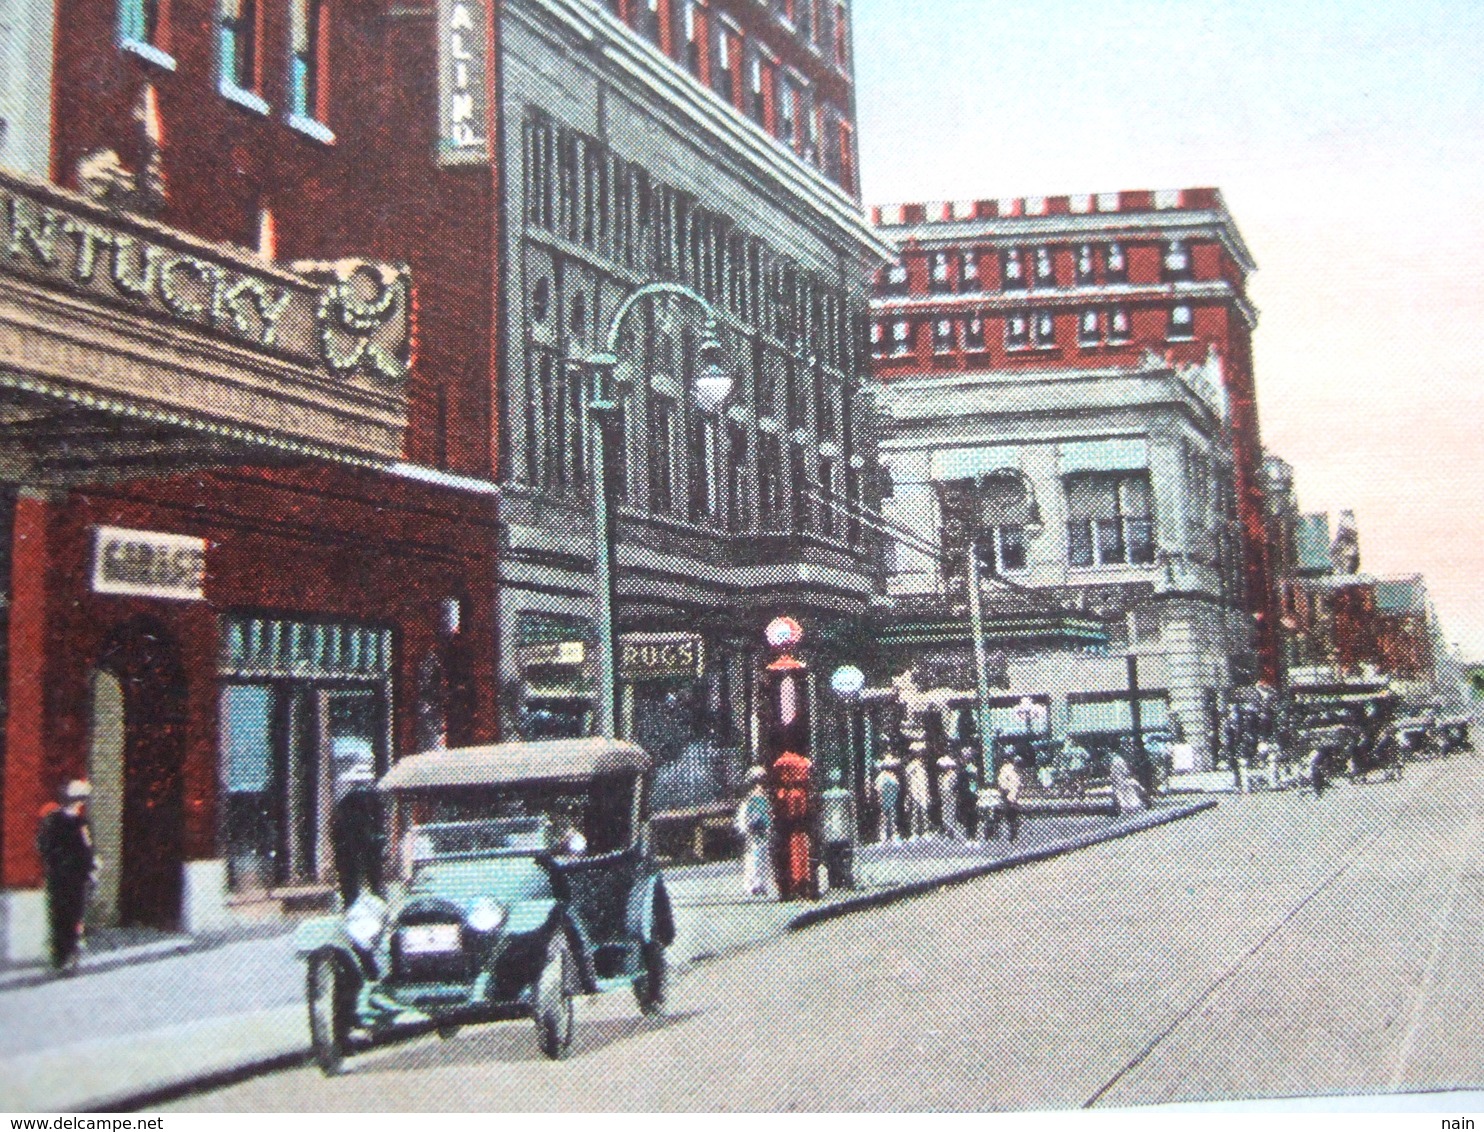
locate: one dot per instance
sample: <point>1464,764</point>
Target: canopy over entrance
<point>128,348</point>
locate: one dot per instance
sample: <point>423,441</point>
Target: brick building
<point>1068,283</point>
<point>198,380</point>
<point>504,175</point>
<point>1341,623</point>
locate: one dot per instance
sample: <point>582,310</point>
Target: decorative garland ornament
<point>360,302</point>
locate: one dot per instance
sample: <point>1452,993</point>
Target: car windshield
<point>506,879</point>
<point>461,840</point>
<point>565,819</point>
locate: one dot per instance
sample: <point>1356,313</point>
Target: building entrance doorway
<point>136,756</point>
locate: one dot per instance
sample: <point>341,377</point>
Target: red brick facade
<point>785,64</point>
<point>349,554</point>
<point>375,191</point>
<point>1082,282</point>
<point>354,547</point>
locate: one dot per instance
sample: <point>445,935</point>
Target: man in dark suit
<point>66,848</point>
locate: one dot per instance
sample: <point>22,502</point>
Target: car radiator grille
<point>431,951</point>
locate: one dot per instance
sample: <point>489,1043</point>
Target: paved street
<point>176,1017</point>
<point>1280,945</point>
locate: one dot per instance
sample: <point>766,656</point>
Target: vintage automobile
<point>524,878</point>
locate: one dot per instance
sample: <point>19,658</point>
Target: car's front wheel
<point>650,986</point>
<point>325,991</point>
<point>554,1014</point>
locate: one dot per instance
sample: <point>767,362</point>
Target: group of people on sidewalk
<point>904,797</point>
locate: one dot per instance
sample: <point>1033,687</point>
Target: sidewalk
<point>159,1017</point>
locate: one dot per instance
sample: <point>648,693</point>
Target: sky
<point>1348,141</point>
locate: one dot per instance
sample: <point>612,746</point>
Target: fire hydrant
<point>793,820</point>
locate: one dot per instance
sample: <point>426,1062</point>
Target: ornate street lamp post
<point>712,387</point>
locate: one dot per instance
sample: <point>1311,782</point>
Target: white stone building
<point>1105,493</point>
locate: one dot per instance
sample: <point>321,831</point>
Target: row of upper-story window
<point>297,79</point>
<point>1040,266</point>
<point>1110,522</point>
<point>1022,330</point>
<point>743,72</point>
<point>578,190</point>
<point>675,462</point>
<point>791,390</point>
<point>680,27</point>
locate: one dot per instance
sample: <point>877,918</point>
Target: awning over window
<point>966,463</point>
<point>1122,455</point>
<point>1114,715</point>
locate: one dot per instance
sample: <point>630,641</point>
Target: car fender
<point>649,915</point>
<point>327,933</point>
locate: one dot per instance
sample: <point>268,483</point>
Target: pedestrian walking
<point>919,793</point>
<point>754,821</point>
<point>948,796</point>
<point>888,794</point>
<point>1318,778</point>
<point>1007,785</point>
<point>1128,793</point>
<point>66,847</point>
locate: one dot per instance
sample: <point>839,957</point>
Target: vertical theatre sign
<point>463,82</point>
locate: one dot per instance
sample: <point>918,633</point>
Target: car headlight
<point>365,919</point>
<point>485,915</point>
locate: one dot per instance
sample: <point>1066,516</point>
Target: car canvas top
<point>498,764</point>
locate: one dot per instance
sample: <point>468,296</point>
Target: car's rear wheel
<point>554,1014</point>
<point>325,991</point>
<point>650,986</point>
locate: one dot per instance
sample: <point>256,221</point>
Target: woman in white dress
<point>1127,793</point>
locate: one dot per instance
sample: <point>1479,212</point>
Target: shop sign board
<point>564,653</point>
<point>651,656</point>
<point>463,82</point>
<point>149,564</point>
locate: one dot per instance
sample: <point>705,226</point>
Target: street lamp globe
<point>713,383</point>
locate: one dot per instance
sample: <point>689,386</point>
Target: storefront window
<point>304,709</point>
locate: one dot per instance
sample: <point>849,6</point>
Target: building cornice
<point>1006,231</point>
<point>1042,393</point>
<point>745,143</point>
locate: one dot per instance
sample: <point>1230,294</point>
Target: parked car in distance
<point>524,878</point>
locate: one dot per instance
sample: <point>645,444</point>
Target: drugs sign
<point>654,655</point>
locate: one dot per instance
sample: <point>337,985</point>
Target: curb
<point>164,1092</point>
<point>921,887</point>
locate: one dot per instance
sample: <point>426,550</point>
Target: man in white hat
<point>754,821</point>
<point>66,848</point>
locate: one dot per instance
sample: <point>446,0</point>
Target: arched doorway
<point>139,671</point>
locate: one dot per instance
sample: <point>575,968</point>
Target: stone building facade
<point>710,146</point>
<point>1079,282</point>
<point>1105,493</point>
